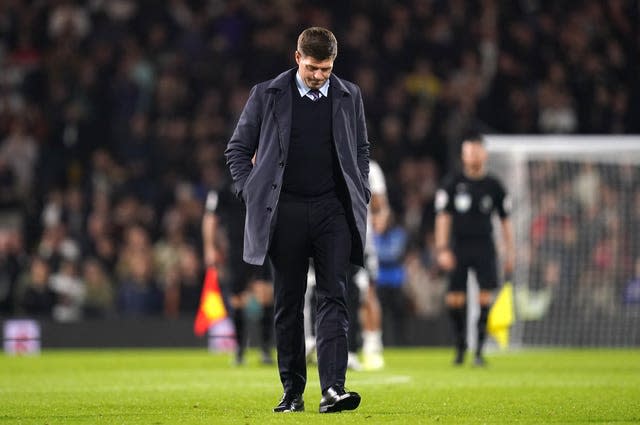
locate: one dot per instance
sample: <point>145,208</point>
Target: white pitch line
<point>377,380</point>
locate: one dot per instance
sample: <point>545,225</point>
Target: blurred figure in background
<point>392,243</point>
<point>222,235</point>
<point>99,300</point>
<point>34,295</point>
<point>139,292</point>
<point>464,239</point>
<point>183,284</point>
<point>365,310</point>
<point>70,290</point>
<point>13,261</point>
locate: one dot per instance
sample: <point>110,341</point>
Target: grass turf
<point>418,386</point>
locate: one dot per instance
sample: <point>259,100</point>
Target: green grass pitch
<point>418,386</point>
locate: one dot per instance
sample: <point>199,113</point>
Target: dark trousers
<point>317,229</point>
<point>394,314</point>
<point>353,303</point>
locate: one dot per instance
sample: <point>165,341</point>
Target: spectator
<point>20,151</point>
<point>99,300</point>
<point>138,292</point>
<point>168,249</point>
<point>70,292</point>
<point>99,241</point>
<point>35,296</point>
<point>631,294</point>
<point>9,192</point>
<point>13,259</point>
<point>182,293</point>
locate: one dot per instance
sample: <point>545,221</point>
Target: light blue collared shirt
<point>304,90</point>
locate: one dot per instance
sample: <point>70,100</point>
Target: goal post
<point>576,218</point>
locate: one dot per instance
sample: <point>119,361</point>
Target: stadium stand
<point>114,116</point>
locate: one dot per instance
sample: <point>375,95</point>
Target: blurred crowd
<point>114,115</point>
<point>583,246</point>
<point>579,283</point>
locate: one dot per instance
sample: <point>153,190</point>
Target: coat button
<point>269,209</point>
<point>274,186</point>
<point>281,164</point>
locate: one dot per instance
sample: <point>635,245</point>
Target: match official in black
<point>306,197</point>
<point>464,239</point>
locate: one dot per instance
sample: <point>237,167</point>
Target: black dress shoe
<point>336,399</point>
<point>290,403</point>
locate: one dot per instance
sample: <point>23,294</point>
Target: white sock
<point>372,341</point>
<point>309,344</point>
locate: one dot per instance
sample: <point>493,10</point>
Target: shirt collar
<point>304,90</point>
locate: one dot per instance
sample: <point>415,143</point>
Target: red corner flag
<point>211,308</point>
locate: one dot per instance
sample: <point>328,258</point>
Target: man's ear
<point>297,55</point>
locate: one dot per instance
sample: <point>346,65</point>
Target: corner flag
<point>501,316</point>
<point>212,308</point>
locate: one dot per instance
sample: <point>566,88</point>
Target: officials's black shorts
<point>242,274</point>
<point>476,255</point>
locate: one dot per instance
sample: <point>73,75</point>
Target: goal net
<point>576,218</point>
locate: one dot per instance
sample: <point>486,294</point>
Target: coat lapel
<point>339,93</point>
<point>280,89</point>
<point>339,96</point>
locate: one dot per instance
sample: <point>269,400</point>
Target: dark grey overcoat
<point>264,129</point>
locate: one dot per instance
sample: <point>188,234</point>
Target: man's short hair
<point>473,137</point>
<point>319,43</point>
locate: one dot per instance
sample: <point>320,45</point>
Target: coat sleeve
<point>363,145</point>
<point>244,142</point>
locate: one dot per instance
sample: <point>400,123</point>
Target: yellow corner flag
<point>501,316</point>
